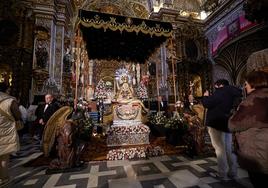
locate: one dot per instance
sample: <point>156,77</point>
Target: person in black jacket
<point>219,106</point>
<point>46,111</point>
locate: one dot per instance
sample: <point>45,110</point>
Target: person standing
<point>46,112</point>
<point>219,106</point>
<point>250,125</point>
<point>9,139</point>
<point>31,117</point>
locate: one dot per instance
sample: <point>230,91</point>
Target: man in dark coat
<point>219,106</point>
<point>47,111</point>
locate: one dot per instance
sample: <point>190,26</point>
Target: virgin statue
<point>125,91</point>
<point>126,106</point>
<point>128,114</point>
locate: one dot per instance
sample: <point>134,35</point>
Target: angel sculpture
<point>63,133</point>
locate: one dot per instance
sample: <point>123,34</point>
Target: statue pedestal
<point>127,128</point>
<point>122,135</point>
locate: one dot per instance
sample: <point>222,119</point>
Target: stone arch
<point>233,56</point>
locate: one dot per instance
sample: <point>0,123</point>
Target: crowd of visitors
<point>239,132</point>
<point>226,118</point>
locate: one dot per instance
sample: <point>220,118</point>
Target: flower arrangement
<point>127,153</point>
<point>158,119</point>
<point>127,130</point>
<point>142,92</point>
<point>139,152</point>
<point>101,90</point>
<point>177,122</point>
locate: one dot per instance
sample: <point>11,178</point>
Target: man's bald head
<point>49,98</point>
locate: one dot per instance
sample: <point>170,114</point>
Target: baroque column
<point>51,21</point>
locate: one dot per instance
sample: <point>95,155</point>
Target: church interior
<point>129,77</point>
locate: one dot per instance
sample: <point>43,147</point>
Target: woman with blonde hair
<point>250,125</point>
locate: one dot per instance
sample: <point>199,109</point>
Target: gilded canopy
<point>111,36</point>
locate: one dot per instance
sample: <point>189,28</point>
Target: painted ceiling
<point>140,8</point>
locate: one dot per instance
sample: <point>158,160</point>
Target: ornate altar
<point>127,127</point>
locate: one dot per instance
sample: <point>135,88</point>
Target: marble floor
<point>157,172</point>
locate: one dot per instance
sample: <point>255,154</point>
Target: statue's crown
<point>122,75</point>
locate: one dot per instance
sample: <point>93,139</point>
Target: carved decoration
<point>39,77</point>
<point>104,68</point>
<point>187,5</point>
<point>16,46</point>
<point>67,61</point>
<point>191,60</point>
<point>41,54</point>
<point>210,5</point>
<point>136,8</point>
<point>59,54</point>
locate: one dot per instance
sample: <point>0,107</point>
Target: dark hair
<point>3,86</point>
<point>223,82</point>
<point>257,79</point>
